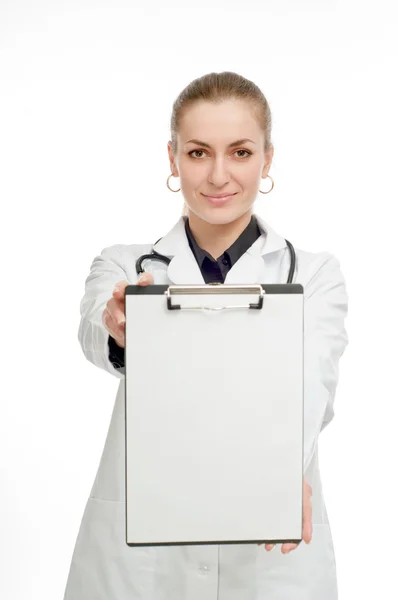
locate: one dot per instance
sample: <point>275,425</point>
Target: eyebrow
<point>237,143</point>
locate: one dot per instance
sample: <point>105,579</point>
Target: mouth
<point>220,199</point>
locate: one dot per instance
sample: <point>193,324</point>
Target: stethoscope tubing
<point>165,259</point>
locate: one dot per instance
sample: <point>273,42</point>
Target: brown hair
<point>217,87</point>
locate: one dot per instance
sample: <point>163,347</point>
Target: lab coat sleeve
<point>325,339</point>
<point>106,270</point>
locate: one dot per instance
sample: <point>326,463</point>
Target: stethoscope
<point>165,259</point>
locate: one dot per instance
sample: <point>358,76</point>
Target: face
<point>219,162</point>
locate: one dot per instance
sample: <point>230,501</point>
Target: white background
<point>86,90</point>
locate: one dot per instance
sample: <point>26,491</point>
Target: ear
<point>268,156</point>
<point>173,166</point>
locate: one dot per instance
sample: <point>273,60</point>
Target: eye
<point>247,152</point>
<point>192,151</point>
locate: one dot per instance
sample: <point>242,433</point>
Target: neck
<point>216,238</point>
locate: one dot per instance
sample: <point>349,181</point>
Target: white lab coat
<point>103,566</point>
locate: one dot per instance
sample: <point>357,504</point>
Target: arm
<point>325,339</point>
<point>106,270</point>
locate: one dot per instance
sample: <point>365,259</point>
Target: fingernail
<point>117,288</point>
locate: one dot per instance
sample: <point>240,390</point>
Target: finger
<point>307,515</point>
<point>307,490</point>
<point>115,331</point>
<point>119,289</point>
<point>307,525</point>
<point>268,546</point>
<point>307,532</point>
<point>116,310</point>
<point>110,324</point>
<point>288,547</point>
<point>145,279</point>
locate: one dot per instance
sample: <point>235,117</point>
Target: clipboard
<point>214,397</point>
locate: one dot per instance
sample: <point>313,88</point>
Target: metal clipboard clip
<point>219,289</point>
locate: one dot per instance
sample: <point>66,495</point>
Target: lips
<point>219,200</point>
<point>219,195</point>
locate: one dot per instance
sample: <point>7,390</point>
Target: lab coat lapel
<point>183,268</point>
<point>250,268</point>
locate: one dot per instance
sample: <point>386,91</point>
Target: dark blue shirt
<point>212,270</point>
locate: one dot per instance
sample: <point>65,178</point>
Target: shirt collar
<point>235,251</point>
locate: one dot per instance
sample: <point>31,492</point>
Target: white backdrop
<point>86,90</point>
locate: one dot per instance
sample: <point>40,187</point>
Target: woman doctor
<point>220,149</point>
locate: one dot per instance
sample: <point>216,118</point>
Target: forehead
<point>226,121</point>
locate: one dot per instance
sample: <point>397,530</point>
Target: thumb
<point>145,278</point>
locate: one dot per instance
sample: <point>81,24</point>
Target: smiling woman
<point>209,159</point>
<point>220,148</point>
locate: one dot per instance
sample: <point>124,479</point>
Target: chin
<point>221,215</point>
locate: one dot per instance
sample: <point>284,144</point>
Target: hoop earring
<point>272,187</point>
<point>169,186</point>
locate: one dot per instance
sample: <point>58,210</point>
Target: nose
<point>219,173</point>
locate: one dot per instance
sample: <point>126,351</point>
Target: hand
<point>114,317</point>
<point>307,521</point>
